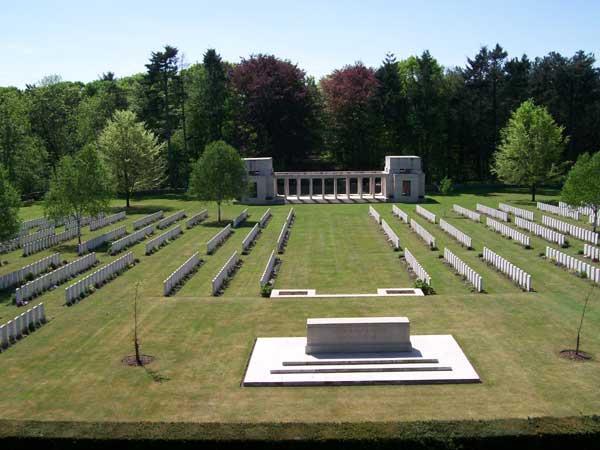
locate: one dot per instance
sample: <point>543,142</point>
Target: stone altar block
<point>358,335</point>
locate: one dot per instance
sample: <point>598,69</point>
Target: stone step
<point>345,362</point>
<point>363,370</point>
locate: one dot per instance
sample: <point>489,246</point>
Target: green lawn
<point>70,368</point>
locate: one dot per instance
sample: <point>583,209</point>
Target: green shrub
<point>446,186</point>
<point>265,291</point>
<point>424,286</point>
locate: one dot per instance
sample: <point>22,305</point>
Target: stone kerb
<point>168,221</point>
<point>130,239</point>
<point>500,215</point>
<point>95,280</point>
<point>13,278</point>
<point>425,235</point>
<point>564,212</point>
<point>224,273</point>
<point>541,231</point>
<point>473,277</point>
<point>150,218</point>
<point>56,277</point>
<point>519,276</point>
<point>508,232</point>
<point>518,212</point>
<point>48,241</point>
<point>240,219</point>
<point>180,273</point>
<point>96,242</point>
<point>196,219</point>
<point>416,267</point>
<point>250,238</point>
<point>21,326</point>
<point>155,244</point>
<point>96,224</point>
<point>582,234</point>
<point>213,244</point>
<point>374,214</point>
<point>461,237</point>
<point>425,213</point>
<point>400,214</point>
<point>392,236</point>
<point>266,275</point>
<point>265,218</point>
<point>467,213</point>
<point>573,264</point>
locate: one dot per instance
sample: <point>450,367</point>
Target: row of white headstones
<point>22,325</point>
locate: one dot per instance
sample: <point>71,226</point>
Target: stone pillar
<point>298,187</point>
<point>286,187</point>
<point>348,187</point>
<point>323,188</point>
<point>335,188</point>
<point>275,187</point>
<point>310,187</point>
<point>359,186</point>
<point>372,186</point>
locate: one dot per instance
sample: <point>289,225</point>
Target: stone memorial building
<point>402,180</point>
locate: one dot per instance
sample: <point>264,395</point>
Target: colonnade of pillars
<point>371,190</point>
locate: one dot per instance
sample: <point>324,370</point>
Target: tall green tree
<point>531,148</point>
<point>391,107</point>
<point>215,93</point>
<point>424,89</point>
<point>133,154</point>
<point>163,102</point>
<point>9,207</point>
<point>100,100</point>
<point>80,187</point>
<point>53,106</point>
<point>22,154</point>
<point>219,175</point>
<point>582,186</point>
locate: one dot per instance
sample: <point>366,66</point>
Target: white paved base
<point>271,355</point>
<point>312,293</point>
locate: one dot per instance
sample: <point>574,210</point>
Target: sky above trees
<point>81,40</point>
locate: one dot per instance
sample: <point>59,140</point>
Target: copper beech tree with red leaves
<point>349,95</point>
<point>277,109</point>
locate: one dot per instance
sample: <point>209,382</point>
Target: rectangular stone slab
<point>429,354</point>
<point>358,335</point>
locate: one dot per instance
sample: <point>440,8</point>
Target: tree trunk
<point>79,228</point>
<point>585,303</point>
<point>533,189</point>
<point>127,198</point>
<point>219,211</point>
<point>136,343</point>
<point>595,217</point>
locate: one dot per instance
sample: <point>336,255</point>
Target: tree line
<point>267,106</point>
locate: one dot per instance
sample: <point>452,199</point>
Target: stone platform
<point>312,293</point>
<point>434,359</point>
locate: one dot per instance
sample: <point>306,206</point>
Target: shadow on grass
<point>144,209</point>
<point>156,376</point>
<point>216,224</point>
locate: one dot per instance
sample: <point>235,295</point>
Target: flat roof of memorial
<point>331,172</point>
